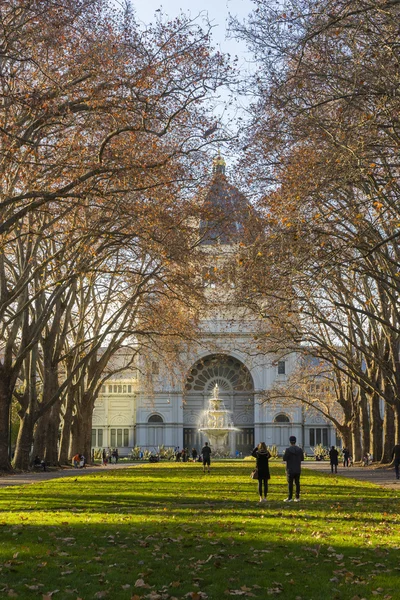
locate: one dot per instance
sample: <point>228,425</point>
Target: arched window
<point>155,419</point>
<point>281,418</point>
<point>228,372</point>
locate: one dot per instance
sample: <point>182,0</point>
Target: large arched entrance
<point>236,388</point>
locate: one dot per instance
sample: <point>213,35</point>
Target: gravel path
<point>383,476</point>
<point>36,477</point>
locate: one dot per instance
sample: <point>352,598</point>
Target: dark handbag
<point>254,474</point>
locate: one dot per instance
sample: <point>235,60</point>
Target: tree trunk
<point>52,433</point>
<point>5,414</point>
<point>39,436</point>
<point>81,430</point>
<point>365,425</point>
<point>389,432</point>
<point>22,459</point>
<point>376,427</point>
<point>356,438</point>
<point>396,411</point>
<point>64,457</point>
<point>345,434</point>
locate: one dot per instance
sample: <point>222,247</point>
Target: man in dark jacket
<point>396,457</point>
<point>206,454</point>
<point>334,458</point>
<point>293,457</point>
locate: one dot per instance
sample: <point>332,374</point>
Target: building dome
<point>226,210</point>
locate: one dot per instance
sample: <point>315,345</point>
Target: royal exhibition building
<point>145,407</point>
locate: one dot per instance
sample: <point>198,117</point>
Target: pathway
<point>383,476</point>
<point>36,477</point>
<point>380,476</point>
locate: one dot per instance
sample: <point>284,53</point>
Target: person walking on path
<point>293,457</point>
<point>334,458</point>
<point>262,456</point>
<point>206,454</point>
<point>396,457</point>
<point>346,457</point>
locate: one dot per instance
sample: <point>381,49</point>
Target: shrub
<point>166,452</point>
<point>273,450</point>
<point>135,452</point>
<point>320,452</point>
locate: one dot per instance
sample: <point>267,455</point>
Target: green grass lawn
<point>166,531</point>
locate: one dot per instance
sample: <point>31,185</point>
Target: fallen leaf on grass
<point>278,589</point>
<point>141,583</point>
<point>34,588</point>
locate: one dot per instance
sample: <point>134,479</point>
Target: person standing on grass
<point>334,458</point>
<point>206,454</point>
<point>293,457</point>
<point>396,457</point>
<point>346,457</point>
<point>262,456</point>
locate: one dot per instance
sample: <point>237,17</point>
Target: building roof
<point>227,208</point>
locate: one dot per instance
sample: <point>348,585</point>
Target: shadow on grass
<point>88,560</point>
<point>178,532</point>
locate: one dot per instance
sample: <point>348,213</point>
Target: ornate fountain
<point>216,423</point>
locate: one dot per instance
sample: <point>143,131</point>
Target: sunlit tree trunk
<point>64,455</point>
<point>365,426</point>
<point>356,438</point>
<point>376,427</point>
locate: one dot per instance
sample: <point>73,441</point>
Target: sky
<point>217,10</point>
<point>218,13</point>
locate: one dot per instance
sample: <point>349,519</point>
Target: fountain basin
<point>217,424</point>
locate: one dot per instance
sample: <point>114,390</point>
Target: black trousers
<point>296,480</point>
<point>260,487</point>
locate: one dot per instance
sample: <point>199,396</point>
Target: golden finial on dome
<point>219,164</point>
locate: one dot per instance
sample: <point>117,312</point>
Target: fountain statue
<point>216,423</point>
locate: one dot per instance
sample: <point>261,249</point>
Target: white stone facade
<point>129,414</point>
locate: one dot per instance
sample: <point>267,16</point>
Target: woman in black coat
<point>262,456</point>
